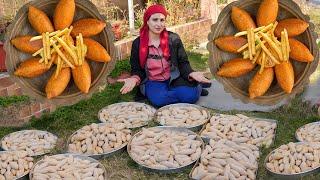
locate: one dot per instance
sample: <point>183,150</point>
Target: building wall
<point>192,32</point>
<point>17,115</point>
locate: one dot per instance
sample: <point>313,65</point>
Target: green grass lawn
<point>65,120</point>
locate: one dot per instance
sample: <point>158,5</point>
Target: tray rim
<point>192,128</point>
<point>198,162</point>
<point>97,156</point>
<point>296,133</point>
<point>25,174</point>
<point>207,139</point>
<point>74,156</point>
<point>30,130</point>
<point>170,170</point>
<point>129,102</point>
<point>295,175</point>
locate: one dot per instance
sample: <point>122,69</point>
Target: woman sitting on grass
<point>160,66</point>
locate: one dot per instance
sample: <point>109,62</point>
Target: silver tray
<point>24,176</point>
<point>121,103</point>
<point>207,139</point>
<point>97,156</point>
<point>193,168</point>
<point>289,176</point>
<point>39,154</point>
<point>197,163</point>
<point>296,133</point>
<point>74,155</point>
<point>192,128</point>
<point>170,170</point>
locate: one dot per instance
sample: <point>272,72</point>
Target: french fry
<point>266,28</point>
<point>53,50</point>
<point>36,38</point>
<point>63,56</point>
<point>40,37</point>
<point>263,61</point>
<point>58,66</point>
<point>276,41</point>
<point>50,63</point>
<point>67,48</point>
<point>81,45</point>
<point>38,52</point>
<point>242,33</point>
<point>84,50</point>
<point>274,27</point>
<point>250,44</point>
<point>265,49</point>
<point>253,42</point>
<point>42,59</point>
<point>287,42</point>
<point>259,58</point>
<point>243,47</point>
<point>245,54</point>
<point>273,37</point>
<point>78,49</point>
<point>69,42</point>
<point>70,29</point>
<point>44,48</point>
<point>48,45</point>
<point>61,33</point>
<point>256,57</point>
<point>283,46</point>
<point>259,45</point>
<point>275,61</point>
<point>272,45</point>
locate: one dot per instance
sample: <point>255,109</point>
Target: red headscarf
<point>144,35</point>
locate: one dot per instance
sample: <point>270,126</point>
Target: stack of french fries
<point>263,47</point>
<point>58,47</point>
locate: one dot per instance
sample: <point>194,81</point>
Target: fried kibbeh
<point>63,14</point>
<point>96,51</point>
<point>56,85</point>
<point>39,20</point>
<point>236,67</point>
<point>82,77</point>
<point>294,27</point>
<point>24,44</point>
<point>267,12</point>
<point>31,68</point>
<point>299,51</point>
<point>285,76</point>
<point>230,43</point>
<point>88,27</point>
<point>260,83</point>
<point>242,19</point>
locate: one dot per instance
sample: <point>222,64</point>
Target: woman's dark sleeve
<point>134,62</point>
<point>183,62</point>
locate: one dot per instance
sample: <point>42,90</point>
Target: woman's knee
<point>158,101</point>
<point>190,98</point>
<point>188,94</point>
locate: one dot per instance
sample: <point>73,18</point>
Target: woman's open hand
<point>129,84</point>
<point>199,77</point>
